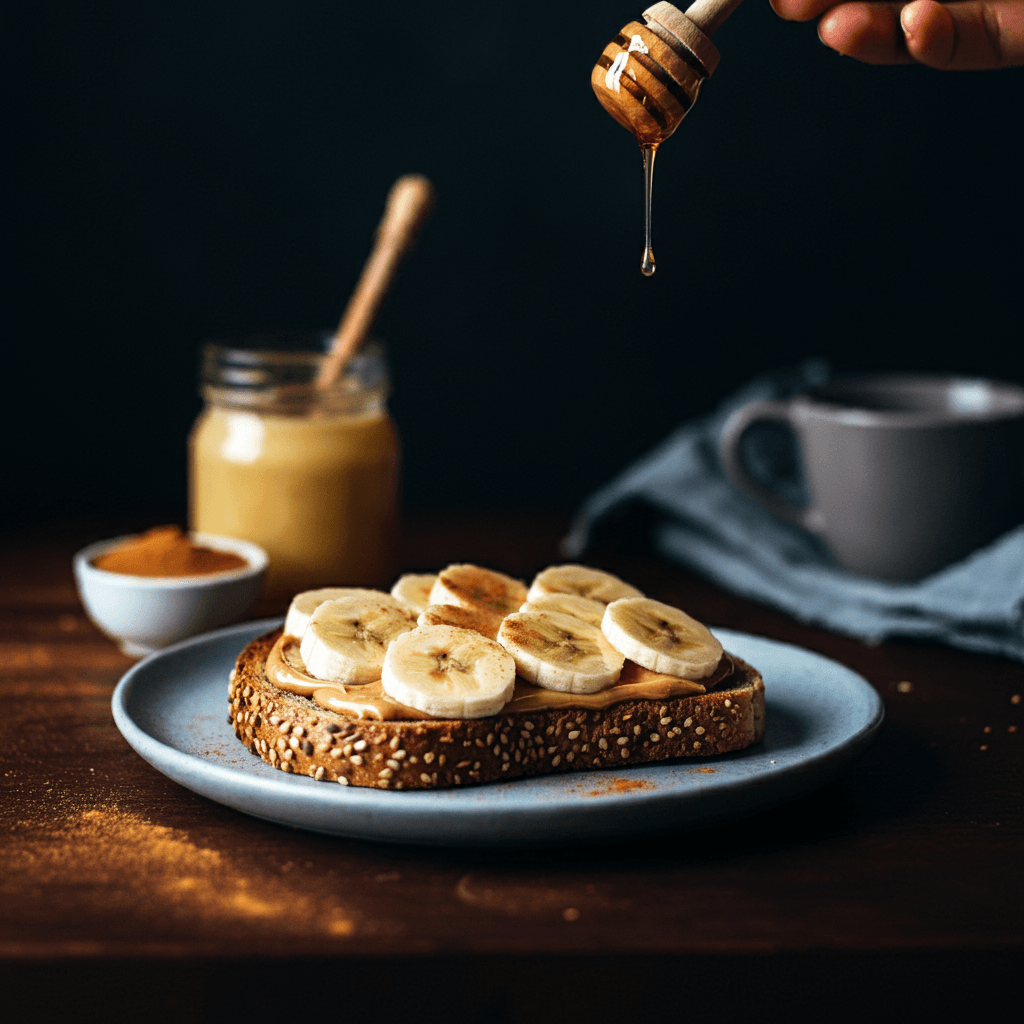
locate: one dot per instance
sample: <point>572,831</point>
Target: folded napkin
<point>697,518</point>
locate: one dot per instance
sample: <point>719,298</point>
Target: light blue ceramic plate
<point>172,708</point>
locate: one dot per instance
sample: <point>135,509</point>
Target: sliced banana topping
<point>572,633</point>
<point>483,622</point>
<point>560,652</point>
<point>346,638</point>
<point>661,638</point>
<point>448,672</point>
<point>303,605</point>
<point>473,587</point>
<point>413,590</point>
<point>584,608</point>
<point>581,580</point>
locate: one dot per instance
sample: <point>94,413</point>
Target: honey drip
<point>647,264</point>
<point>649,76</point>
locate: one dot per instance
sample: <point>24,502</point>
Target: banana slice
<point>448,672</point>
<point>346,638</point>
<point>560,652</point>
<point>473,587</point>
<point>303,605</point>
<point>596,584</point>
<point>661,638</point>
<point>483,622</point>
<point>413,590</point>
<point>584,608</point>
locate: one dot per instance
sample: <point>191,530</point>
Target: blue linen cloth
<point>701,521</point>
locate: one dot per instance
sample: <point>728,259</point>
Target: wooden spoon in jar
<point>409,203</point>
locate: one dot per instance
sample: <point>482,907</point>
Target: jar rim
<point>277,373</point>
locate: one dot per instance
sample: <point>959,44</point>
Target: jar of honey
<point>308,473</point>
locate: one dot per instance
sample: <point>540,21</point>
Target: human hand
<point>969,35</point>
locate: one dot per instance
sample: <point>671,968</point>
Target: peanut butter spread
<point>368,700</point>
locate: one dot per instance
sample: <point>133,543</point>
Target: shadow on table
<point>895,986</point>
<point>891,780</point>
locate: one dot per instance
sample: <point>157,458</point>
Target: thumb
<point>974,35</point>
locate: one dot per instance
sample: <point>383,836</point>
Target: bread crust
<point>298,736</point>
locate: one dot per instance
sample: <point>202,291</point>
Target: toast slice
<point>297,735</point>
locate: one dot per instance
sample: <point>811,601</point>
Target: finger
<point>964,36</point>
<point>868,32</point>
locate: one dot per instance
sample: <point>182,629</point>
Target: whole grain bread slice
<point>297,735</point>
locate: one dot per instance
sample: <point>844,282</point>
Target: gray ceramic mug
<point>906,472</point>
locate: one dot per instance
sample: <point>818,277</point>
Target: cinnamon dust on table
<point>166,551</point>
<point>117,862</point>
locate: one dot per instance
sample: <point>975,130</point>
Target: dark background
<point>180,171</point>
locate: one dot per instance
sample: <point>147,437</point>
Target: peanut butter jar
<point>310,474</point>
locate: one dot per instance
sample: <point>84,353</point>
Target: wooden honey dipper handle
<point>708,15</point>
<point>408,204</point>
<point>692,29</point>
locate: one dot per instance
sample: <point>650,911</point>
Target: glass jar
<point>310,474</point>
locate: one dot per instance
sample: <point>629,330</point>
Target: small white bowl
<point>146,613</point>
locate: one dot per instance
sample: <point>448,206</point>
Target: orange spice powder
<point>118,861</point>
<point>619,786</point>
<point>166,551</point>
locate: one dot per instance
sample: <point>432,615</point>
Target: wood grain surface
<point>895,889</point>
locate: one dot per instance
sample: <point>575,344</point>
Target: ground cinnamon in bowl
<point>166,551</point>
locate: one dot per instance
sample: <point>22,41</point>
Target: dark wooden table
<point>889,894</point>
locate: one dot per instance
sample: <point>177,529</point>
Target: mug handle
<point>732,461</point>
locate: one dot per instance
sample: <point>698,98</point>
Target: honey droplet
<point>649,152</point>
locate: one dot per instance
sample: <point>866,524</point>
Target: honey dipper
<point>649,76</point>
<point>408,204</point>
